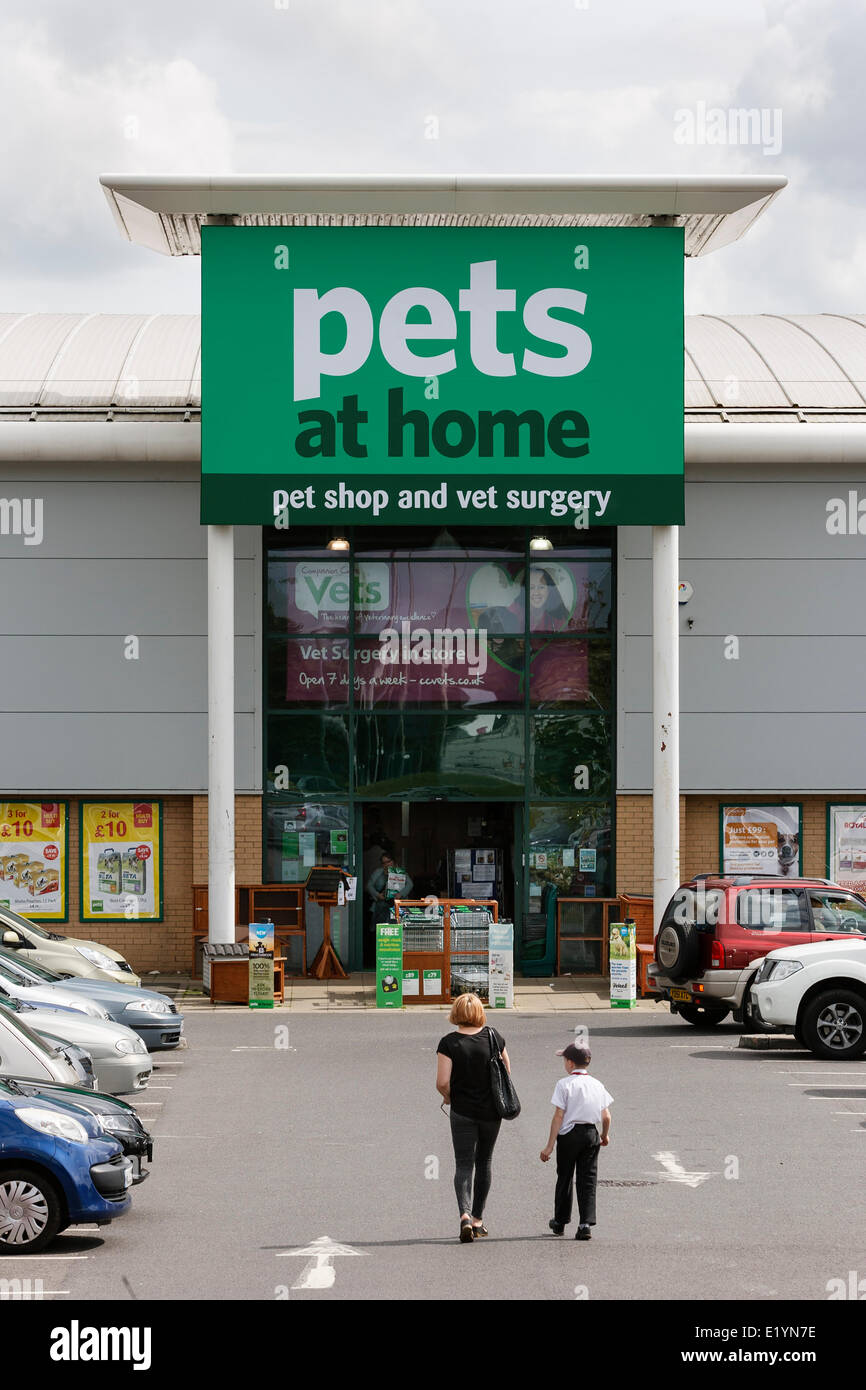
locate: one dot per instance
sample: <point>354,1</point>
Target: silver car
<point>121,1062</point>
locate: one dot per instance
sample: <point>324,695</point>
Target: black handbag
<point>505,1101</point>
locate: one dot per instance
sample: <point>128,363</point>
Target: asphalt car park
<point>306,1158</point>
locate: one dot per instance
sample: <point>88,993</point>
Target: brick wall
<point>248,839</point>
<point>166,945</point>
<point>146,945</point>
<point>699,836</point>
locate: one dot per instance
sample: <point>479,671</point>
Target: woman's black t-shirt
<point>470,1072</point>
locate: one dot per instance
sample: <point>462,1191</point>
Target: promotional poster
<point>761,840</point>
<point>121,865</point>
<point>33,859</point>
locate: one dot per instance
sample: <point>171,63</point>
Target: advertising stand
<point>623,965</point>
<point>501,967</point>
<point>389,965</point>
<point>261,948</point>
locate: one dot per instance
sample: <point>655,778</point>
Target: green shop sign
<point>395,374</point>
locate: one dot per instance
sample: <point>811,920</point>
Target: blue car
<point>153,1016</point>
<point>56,1168</point>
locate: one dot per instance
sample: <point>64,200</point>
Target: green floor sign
<point>389,965</point>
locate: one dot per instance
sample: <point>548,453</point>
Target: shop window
<point>569,596</point>
<point>453,594</point>
<point>298,836</point>
<point>308,753</point>
<point>570,755</point>
<point>570,847</point>
<point>565,672</point>
<point>440,755</point>
<point>456,669</point>
<point>311,671</point>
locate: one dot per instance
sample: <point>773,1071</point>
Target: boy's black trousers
<point>577,1163</point>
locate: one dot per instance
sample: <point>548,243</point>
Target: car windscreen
<point>9,960</point>
<point>11,919</point>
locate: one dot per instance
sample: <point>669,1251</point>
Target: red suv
<point>717,928</point>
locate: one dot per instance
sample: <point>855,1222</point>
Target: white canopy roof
<point>165,212</point>
<point>747,368</point>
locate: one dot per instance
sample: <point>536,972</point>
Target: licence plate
<point>681,996</point>
<point>127,1177</point>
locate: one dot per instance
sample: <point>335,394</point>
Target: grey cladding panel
<point>47,753</point>
<point>771,674</point>
<point>753,752</point>
<point>742,520</point>
<point>117,517</point>
<point>116,596</point>
<point>771,597</point>
<point>43,674</point>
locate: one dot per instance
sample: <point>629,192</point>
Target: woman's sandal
<point>479,1231</point>
<point>466,1232</point>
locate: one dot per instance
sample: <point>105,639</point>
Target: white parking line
<point>849,1112</point>
<point>270,1048</point>
<point>800,1071</point>
<point>836,1087</point>
<point>18,1258</point>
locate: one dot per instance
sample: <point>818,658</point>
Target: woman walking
<point>463,1081</point>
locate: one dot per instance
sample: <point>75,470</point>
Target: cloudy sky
<point>567,87</point>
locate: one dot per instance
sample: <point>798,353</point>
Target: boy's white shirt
<point>583,1102</point>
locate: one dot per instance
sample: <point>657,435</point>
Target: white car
<point>819,991</point>
<point>121,1062</point>
<point>23,1053</point>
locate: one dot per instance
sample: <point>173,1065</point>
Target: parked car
<point>16,984</point>
<point>56,1167</point>
<point>819,992</point>
<point>24,1053</point>
<point>716,929</point>
<point>121,1062</point>
<point>119,1120</point>
<point>68,955</point>
<point>154,1017</point>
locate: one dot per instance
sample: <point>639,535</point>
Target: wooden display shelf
<point>282,903</point>
<point>230,980</point>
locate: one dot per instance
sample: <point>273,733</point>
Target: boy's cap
<point>578,1055</point>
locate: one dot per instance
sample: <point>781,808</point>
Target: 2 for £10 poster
<point>121,866</point>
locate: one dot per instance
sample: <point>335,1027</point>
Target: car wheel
<point>751,1022</point>
<point>30,1211</point>
<point>700,1017</point>
<point>678,949</point>
<point>834,1024</point>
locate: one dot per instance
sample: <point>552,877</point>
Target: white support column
<point>666,719</point>
<point>221,732</point>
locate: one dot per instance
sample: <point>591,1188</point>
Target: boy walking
<point>581,1110</point>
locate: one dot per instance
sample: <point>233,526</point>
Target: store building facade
<point>534,746</point>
